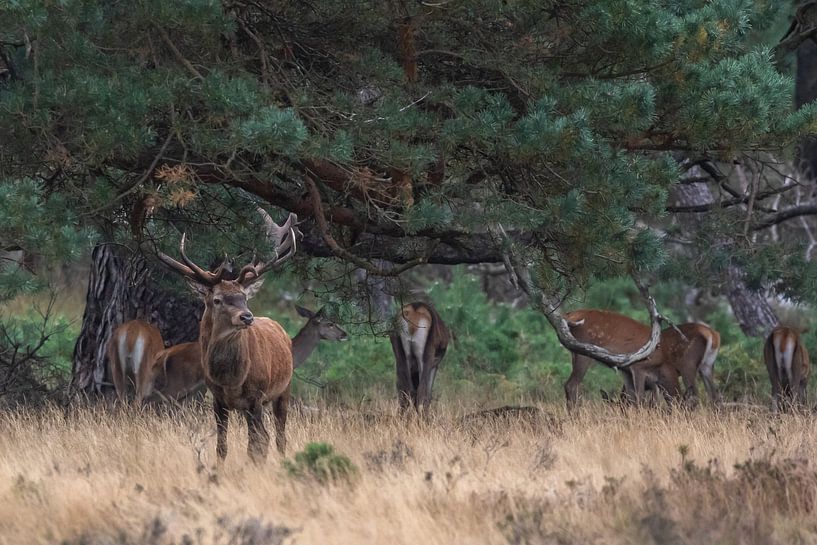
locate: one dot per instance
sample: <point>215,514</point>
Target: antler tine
<point>199,274</point>
<point>247,273</point>
<point>285,237</point>
<point>269,223</point>
<point>222,267</point>
<point>175,265</point>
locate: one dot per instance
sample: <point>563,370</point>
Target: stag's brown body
<point>673,357</point>
<point>247,361</point>
<point>787,362</point>
<point>178,372</point>
<point>419,345</point>
<point>248,367</point>
<point>131,350</point>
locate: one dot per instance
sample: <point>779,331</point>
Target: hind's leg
<point>580,366</point>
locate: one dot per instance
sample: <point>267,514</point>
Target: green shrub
<point>319,461</point>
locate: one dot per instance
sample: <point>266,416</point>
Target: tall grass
<point>94,476</point>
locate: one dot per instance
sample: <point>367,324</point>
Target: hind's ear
<point>304,312</point>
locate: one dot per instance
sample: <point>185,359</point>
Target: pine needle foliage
<point>564,120</point>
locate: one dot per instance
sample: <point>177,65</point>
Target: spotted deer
<point>177,373</point>
<point>685,351</point>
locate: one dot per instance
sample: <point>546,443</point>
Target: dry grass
<point>92,476</point>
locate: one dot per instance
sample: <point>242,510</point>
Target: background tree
<point>409,133</point>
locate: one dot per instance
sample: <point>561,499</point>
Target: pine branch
<point>343,253</point>
<point>785,215</point>
<point>178,54</point>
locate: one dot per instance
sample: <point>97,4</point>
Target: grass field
<point>95,476</point>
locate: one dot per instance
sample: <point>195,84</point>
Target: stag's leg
<point>800,393</point>
<point>279,409</point>
<point>258,437</point>
<point>667,383</point>
<point>689,374</point>
<point>222,420</point>
<point>706,370</point>
<point>580,366</point>
<point>627,396</point>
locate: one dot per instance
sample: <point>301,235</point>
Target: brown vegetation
<point>600,476</point>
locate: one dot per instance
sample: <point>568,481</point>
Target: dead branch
<point>549,306</point>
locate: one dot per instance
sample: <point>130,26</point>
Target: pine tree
<point>414,129</point>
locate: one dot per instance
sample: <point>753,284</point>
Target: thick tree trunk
<point>121,288</point>
<point>750,308</point>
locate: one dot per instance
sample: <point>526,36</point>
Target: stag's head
<point>226,300</point>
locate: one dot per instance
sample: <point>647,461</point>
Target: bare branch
<point>744,199</point>
<point>345,254</point>
<point>178,54</point>
<point>785,215</point>
<point>549,306</point>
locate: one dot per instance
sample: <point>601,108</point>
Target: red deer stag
<point>131,349</point>
<point>247,361</point>
<point>787,362</point>
<point>178,372</point>
<point>672,357</point>
<point>419,344</point>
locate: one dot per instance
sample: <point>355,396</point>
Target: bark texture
<point>121,288</point>
<point>750,308</point>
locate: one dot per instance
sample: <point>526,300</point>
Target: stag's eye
<point>216,301</point>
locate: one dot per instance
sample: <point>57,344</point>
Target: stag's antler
<point>190,269</point>
<point>284,237</point>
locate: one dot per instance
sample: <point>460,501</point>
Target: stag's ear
<point>304,312</point>
<point>253,288</point>
<point>198,287</point>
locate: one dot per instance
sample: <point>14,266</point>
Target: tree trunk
<point>376,292</point>
<point>805,91</point>
<point>120,289</point>
<point>750,308</point>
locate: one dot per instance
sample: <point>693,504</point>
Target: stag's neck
<point>205,330</point>
<point>303,344</point>
<point>226,356</point>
